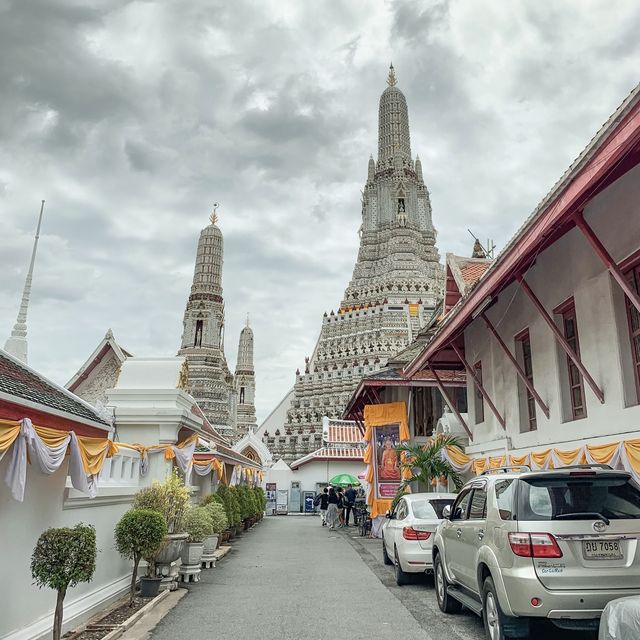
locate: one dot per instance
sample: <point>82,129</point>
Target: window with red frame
<point>634,325</point>
<point>479,399</point>
<point>530,420</point>
<point>576,384</point>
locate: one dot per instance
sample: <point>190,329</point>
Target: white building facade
<point>550,335</point>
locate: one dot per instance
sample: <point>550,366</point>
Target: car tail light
<point>409,533</point>
<point>534,545</point>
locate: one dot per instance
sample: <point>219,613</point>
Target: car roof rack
<point>506,469</point>
<point>595,465</point>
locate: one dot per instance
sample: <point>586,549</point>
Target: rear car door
<point>594,519</point>
<point>395,526</point>
<point>452,533</point>
<point>473,531</point>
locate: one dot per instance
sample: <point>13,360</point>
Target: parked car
<point>407,533</point>
<point>621,620</point>
<point>556,544</point>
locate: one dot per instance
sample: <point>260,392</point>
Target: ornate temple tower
<point>210,380</point>
<point>396,283</point>
<point>245,385</point>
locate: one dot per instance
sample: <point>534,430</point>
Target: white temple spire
<point>16,345</point>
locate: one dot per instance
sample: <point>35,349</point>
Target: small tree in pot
<point>171,499</point>
<point>140,534</point>
<point>219,521</point>
<point>198,525</point>
<point>237,511</point>
<point>61,559</point>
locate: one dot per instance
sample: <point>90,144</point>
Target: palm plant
<point>426,463</point>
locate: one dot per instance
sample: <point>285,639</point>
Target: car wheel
<point>497,626</point>
<point>446,603</point>
<point>402,577</point>
<point>385,556</point>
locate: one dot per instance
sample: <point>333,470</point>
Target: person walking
<point>350,501</point>
<point>323,502</point>
<point>332,508</point>
<point>340,493</point>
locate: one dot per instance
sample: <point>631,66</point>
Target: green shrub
<point>244,499</point>
<point>235,503</point>
<point>170,498</point>
<point>231,506</point>
<point>61,559</point>
<point>198,524</point>
<point>261,499</point>
<point>140,534</point>
<point>218,516</point>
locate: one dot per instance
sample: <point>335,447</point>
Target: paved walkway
<point>289,578</point>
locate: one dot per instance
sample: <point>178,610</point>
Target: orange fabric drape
<point>9,432</point>
<point>93,451</point>
<point>603,453</point>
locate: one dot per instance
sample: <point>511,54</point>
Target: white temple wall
<point>26,612</point>
<point>568,268</point>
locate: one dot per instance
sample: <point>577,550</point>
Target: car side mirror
<point>389,515</point>
<point>446,512</point>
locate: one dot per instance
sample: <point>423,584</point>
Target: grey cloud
<point>132,118</point>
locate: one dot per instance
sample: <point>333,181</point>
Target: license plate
<point>601,550</point>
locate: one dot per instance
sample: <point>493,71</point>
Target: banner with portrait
<point>386,426</point>
<point>386,459</point>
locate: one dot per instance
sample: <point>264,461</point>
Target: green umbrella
<point>344,479</point>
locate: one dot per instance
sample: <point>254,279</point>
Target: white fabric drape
<point>203,470</point>
<point>16,476</point>
<point>184,459</point>
<point>47,460</point>
<point>144,463</point>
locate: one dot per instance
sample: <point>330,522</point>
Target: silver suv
<point>554,544</point>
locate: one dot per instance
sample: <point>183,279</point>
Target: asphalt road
<point>290,578</point>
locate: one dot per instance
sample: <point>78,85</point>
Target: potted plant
<point>425,462</point>
<point>219,523</point>
<point>170,498</point>
<point>245,505</point>
<point>237,510</point>
<point>198,525</point>
<point>61,559</point>
<point>229,498</point>
<point>139,534</point>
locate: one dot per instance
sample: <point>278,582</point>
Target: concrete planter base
<point>191,562</point>
<point>167,560</point>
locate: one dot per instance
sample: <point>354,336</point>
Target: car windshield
<point>579,498</point>
<point>430,508</point>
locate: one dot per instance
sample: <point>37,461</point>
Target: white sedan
<point>407,532</point>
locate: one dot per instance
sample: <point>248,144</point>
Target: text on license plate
<point>601,550</point>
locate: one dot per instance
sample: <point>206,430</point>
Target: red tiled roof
<point>21,382</point>
<point>446,375</point>
<point>473,271</point>
<point>353,454</point>
<point>343,434</point>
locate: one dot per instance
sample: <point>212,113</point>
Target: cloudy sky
<point>132,118</point>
